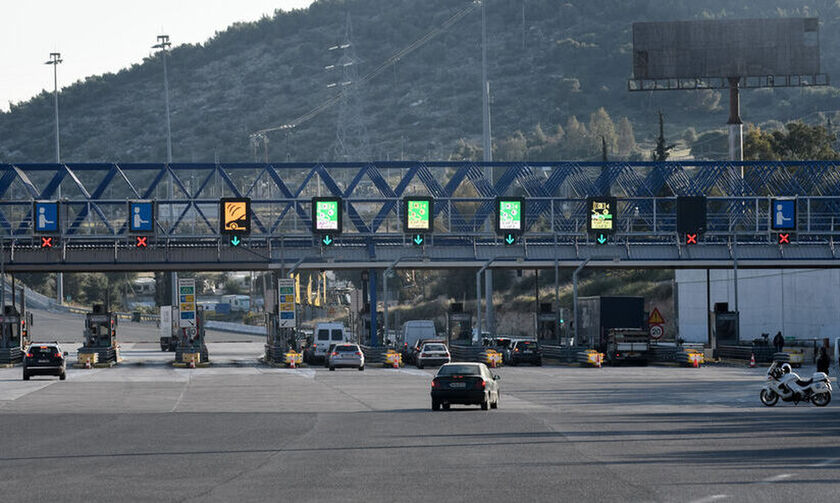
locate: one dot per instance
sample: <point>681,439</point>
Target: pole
<point>55,59</point>
<point>709,333</point>
<point>737,312</point>
<point>488,157</point>
<point>736,127</point>
<point>575,298</point>
<point>374,341</point>
<point>557,326</point>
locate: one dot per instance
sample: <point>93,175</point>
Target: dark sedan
<point>466,384</point>
<point>524,352</point>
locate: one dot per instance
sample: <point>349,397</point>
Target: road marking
<point>826,462</point>
<point>778,478</point>
<point>710,499</point>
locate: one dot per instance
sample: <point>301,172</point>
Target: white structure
<point>802,303</point>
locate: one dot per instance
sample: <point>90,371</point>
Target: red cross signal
<point>784,238</point>
<point>46,242</point>
<point>142,241</point>
<point>691,239</point>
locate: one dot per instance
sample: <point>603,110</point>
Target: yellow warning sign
<point>236,216</point>
<point>655,317</point>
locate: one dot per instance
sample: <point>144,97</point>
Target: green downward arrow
<point>418,239</point>
<point>235,240</point>
<point>510,239</point>
<point>601,239</point>
<point>327,240</point>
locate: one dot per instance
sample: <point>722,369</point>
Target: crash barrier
<point>796,357</point>
<point>564,353</point>
<point>9,356</point>
<point>690,357</point>
<point>763,354</point>
<point>374,354</point>
<point>392,359</point>
<point>492,358</point>
<point>191,359</point>
<point>292,359</point>
<point>478,354</point>
<point>239,328</point>
<point>590,357</point>
<point>87,360</point>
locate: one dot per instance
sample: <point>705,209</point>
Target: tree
<point>626,138</point>
<point>662,150</point>
<point>514,148</point>
<point>602,128</point>
<point>800,142</point>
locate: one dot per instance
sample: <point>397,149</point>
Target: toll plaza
<point>15,323</point>
<point>100,344</point>
<point>458,325</point>
<point>545,325</point>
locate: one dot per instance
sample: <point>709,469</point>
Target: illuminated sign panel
<point>235,215</point>
<point>510,215</point>
<point>602,214</point>
<point>417,212</point>
<point>45,214</point>
<point>141,216</point>
<point>326,215</point>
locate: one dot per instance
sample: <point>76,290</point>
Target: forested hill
<point>561,59</point>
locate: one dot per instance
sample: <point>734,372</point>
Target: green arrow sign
<point>418,239</point>
<point>235,241</point>
<point>510,239</point>
<point>327,240</point>
<point>601,239</point>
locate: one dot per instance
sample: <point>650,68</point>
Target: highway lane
<point>249,432</point>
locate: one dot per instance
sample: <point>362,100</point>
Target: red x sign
<point>142,241</point>
<point>46,242</point>
<point>691,239</point>
<point>784,238</point>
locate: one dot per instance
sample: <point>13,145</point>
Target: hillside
<point>563,59</point>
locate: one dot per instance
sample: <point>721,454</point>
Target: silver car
<point>346,355</point>
<point>433,353</point>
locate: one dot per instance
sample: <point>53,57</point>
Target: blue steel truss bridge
<point>93,232</point>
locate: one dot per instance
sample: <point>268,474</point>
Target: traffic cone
<point>695,360</point>
<point>752,360</point>
<point>598,360</point>
<point>292,362</point>
<point>87,363</point>
<point>396,362</point>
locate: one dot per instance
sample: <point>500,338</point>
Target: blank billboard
<point>726,48</point>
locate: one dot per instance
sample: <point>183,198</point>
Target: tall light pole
<point>55,59</point>
<point>164,44</point>
<point>488,156</point>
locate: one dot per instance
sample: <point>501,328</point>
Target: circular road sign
<point>656,331</point>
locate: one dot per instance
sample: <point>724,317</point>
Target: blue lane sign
<point>141,216</point>
<point>45,214</point>
<point>783,214</point>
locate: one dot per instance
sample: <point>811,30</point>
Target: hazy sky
<point>100,36</point>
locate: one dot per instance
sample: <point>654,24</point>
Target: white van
<point>413,331</point>
<point>326,334</point>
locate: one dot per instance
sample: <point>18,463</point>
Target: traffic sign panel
<point>510,215</point>
<point>235,215</point>
<point>45,216</point>
<point>418,214</point>
<point>691,215</point>
<point>783,214</point>
<point>655,317</point>
<point>656,331</point>
<point>326,215</point>
<point>286,302</point>
<point>602,214</point>
<point>141,216</point>
<point>186,306</point>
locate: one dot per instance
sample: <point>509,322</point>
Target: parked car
<point>45,359</point>
<point>524,351</point>
<point>465,383</point>
<point>346,355</point>
<point>432,353</point>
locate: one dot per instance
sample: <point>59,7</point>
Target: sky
<point>101,36</point>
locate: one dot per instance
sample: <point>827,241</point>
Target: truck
<point>615,326</point>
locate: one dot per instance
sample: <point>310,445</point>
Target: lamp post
<point>55,60</point>
<point>164,44</point>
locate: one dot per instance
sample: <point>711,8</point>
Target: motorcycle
<point>783,383</point>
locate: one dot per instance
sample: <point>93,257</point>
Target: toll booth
<point>458,325</point>
<point>191,340</point>
<point>724,324</point>
<point>278,340</point>
<point>12,338</point>
<point>168,328</point>
<point>545,325</point>
<point>100,334</point>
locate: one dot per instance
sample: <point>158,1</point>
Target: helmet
<point>786,368</point>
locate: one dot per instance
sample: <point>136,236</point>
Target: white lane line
<point>826,462</point>
<point>710,499</point>
<point>778,478</point>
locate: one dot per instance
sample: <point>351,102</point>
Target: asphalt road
<point>143,431</point>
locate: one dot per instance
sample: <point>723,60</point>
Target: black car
<point>45,359</point>
<point>524,352</point>
<point>467,384</point>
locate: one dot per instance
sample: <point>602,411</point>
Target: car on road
<point>326,334</point>
<point>465,383</point>
<point>413,332</point>
<point>346,355</point>
<point>432,353</point>
<point>45,359</point>
<point>523,351</point>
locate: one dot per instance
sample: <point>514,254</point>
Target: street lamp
<point>164,44</point>
<point>55,59</point>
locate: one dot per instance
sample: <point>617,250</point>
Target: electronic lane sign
<point>45,216</point>
<point>235,215</point>
<point>418,218</point>
<point>601,217</point>
<point>783,214</point>
<point>141,217</point>
<point>510,218</point>
<point>326,218</point>
<point>691,217</point>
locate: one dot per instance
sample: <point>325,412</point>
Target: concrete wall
<point>801,303</point>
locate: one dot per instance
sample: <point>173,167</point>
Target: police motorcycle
<point>783,383</point>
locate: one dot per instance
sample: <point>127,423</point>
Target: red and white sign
<point>656,332</point>
<point>656,318</point>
